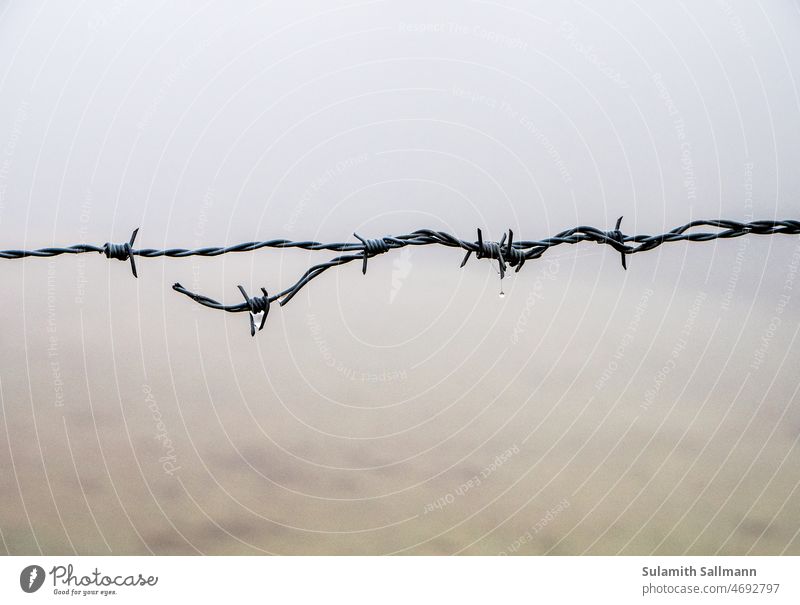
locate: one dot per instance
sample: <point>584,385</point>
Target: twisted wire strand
<point>506,252</point>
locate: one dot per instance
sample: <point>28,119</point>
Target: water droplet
<point>502,294</point>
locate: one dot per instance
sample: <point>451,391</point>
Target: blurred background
<point>411,410</point>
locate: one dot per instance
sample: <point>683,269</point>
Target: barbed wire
<point>507,252</point>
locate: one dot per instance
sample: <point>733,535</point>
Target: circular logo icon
<point>31,578</point>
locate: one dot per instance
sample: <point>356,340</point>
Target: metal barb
<point>371,248</point>
<point>617,236</point>
<point>493,250</point>
<point>259,304</point>
<point>122,252</point>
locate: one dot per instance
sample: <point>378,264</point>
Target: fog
<point>409,410</point>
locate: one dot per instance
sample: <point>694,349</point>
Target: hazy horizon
<point>409,410</point>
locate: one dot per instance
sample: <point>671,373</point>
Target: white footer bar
<point>388,580</point>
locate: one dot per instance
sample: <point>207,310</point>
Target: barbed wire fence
<point>506,252</point>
